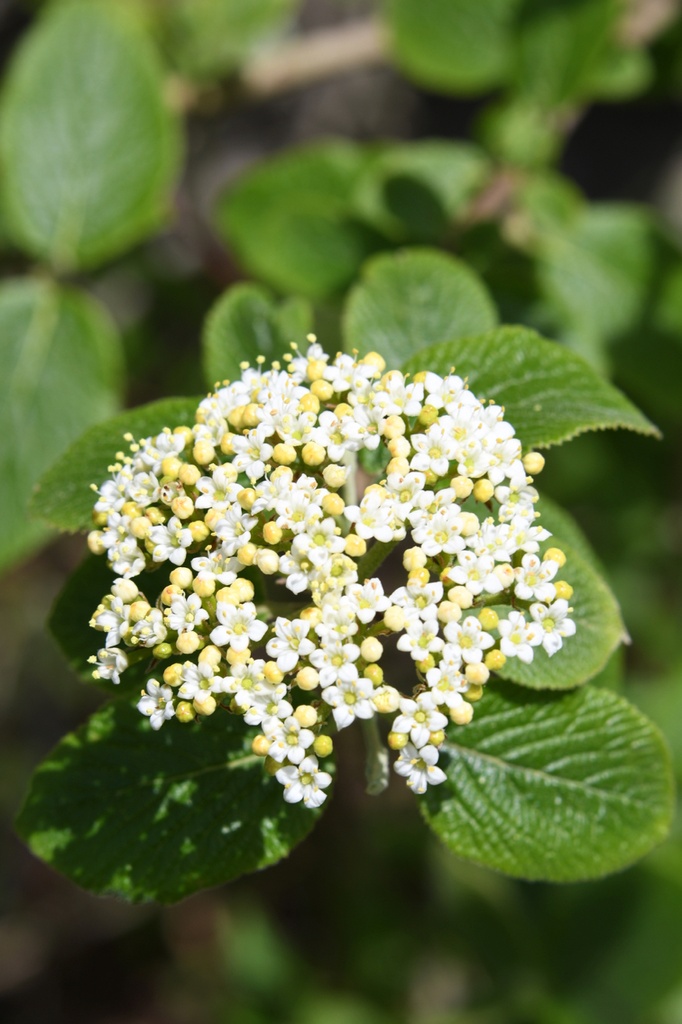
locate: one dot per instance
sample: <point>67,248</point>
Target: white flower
<point>554,622</point>
<point>288,739</point>
<point>199,681</point>
<point>532,579</point>
<point>170,541</point>
<point>518,637</point>
<point>185,613</point>
<point>419,767</point>
<point>419,718</point>
<point>468,639</point>
<point>304,782</point>
<point>421,638</point>
<point>109,664</point>
<point>157,704</point>
<point>350,699</point>
<point>239,626</point>
<point>289,644</point>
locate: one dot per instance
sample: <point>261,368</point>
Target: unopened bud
<point>308,678</point>
<point>306,716</point>
<point>488,618</point>
<point>478,674</point>
<point>210,656</point>
<point>533,463</point>
<point>203,452</point>
<point>188,643</point>
<point>462,714</point>
<point>204,705</point>
<point>260,745</point>
<point>323,745</point>
<point>355,547</point>
<point>555,555</point>
<point>483,490</point>
<point>313,454</point>
<point>371,649</point>
<point>184,712</point>
<point>398,740</point>
<point>182,577</point>
<point>494,660</point>
<point>394,618</point>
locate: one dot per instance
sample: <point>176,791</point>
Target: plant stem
<point>376,766</point>
<point>371,561</point>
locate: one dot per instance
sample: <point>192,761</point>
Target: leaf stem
<point>376,766</point>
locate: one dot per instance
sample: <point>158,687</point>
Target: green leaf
<point>246,322</point>
<point>88,146</point>
<point>413,191</point>
<point>518,131</point>
<point>209,38</point>
<point>553,787</point>
<point>560,47</point>
<point>549,394</point>
<point>597,273</point>
<point>122,810</point>
<point>457,46</point>
<point>64,496</point>
<point>565,530</point>
<point>599,631</point>
<point>61,361</point>
<point>411,299</point>
<point>289,219</point>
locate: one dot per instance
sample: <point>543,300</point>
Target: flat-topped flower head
<point>271,601</point>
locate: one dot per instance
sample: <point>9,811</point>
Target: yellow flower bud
<point>483,490</point>
<point>488,618</point>
<point>393,427</point>
<point>315,369</point>
<point>462,486</point>
<point>168,594</point>
<point>204,705</point>
<point>477,674</point>
<point>555,555</point>
<point>210,656</point>
<point>199,531</point>
<point>204,586</point>
<point>398,465</point>
<point>140,527</point>
<point>414,558</point>
<point>184,712</point>
<point>386,700</point>
<point>306,716</point>
<point>246,498</point>
<point>399,447</point>
<point>398,740</point>
<point>182,506</point>
<point>272,673</point>
<point>420,576</point>
<point>247,554</point>
<point>426,664</point>
<point>182,577</point>
<point>233,657</point>
<point>260,745</point>
<point>494,660</point>
<point>533,463</point>
<point>162,651</point>
<point>313,454</point>
<point>427,416</point>
<point>272,533</point>
<point>323,745</point>
<point>470,524</point>
<point>170,467</point>
<point>308,678</point>
<point>251,416</point>
<point>375,360</point>
<point>355,546</point>
<point>132,509</point>
<point>139,610</point>
<point>243,589</point>
<point>95,545</point>
<point>271,766</point>
<point>267,561</point>
<point>322,389</point>
<point>564,590</point>
<point>188,474</point>
<point>172,674</point>
<point>394,618</point>
<point>309,403</point>
<point>371,649</point>
<point>461,596</point>
<point>333,504</point>
<point>226,445</point>
<point>463,714</point>
<point>335,476</point>
<point>449,612</point>
<point>437,738</point>
<point>374,673</point>
<point>188,643</point>
<point>203,452</point>
<point>284,454</point>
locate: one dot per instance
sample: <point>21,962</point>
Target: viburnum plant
<point>277,548</point>
<point>261,480</point>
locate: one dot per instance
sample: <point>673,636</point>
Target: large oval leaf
<point>556,788</point>
<point>549,393</point>
<point>61,370</point>
<point>413,299</point>
<point>89,148</point>
<point>246,322</point>
<point>64,496</point>
<point>125,811</point>
<point>289,222</point>
<point>457,46</point>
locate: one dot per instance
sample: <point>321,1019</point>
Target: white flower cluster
<point>273,601</point>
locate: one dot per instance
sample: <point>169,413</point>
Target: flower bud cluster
<point>273,608</point>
